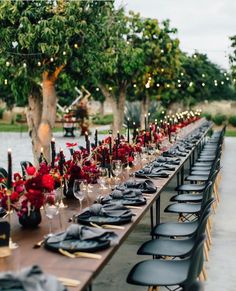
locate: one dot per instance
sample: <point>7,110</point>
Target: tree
<point>39,39</point>
<point>160,58</point>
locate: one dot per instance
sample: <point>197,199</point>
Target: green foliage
<point>218,119</point>
<point>1,112</point>
<point>207,115</point>
<point>19,117</point>
<point>103,120</point>
<point>232,120</point>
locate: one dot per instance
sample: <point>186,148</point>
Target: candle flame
<point>41,149</point>
<point>9,150</point>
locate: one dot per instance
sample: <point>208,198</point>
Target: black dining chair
<point>169,272</point>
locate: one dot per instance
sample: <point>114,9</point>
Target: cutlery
<point>133,207</point>
<point>79,254</point>
<point>39,244</point>
<point>107,226</point>
<point>68,282</point>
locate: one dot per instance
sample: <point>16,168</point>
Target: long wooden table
<point>82,269</point>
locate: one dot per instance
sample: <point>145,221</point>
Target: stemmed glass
<point>103,173</point>
<point>51,208</point>
<point>136,161</point>
<point>80,190</point>
<point>116,169</point>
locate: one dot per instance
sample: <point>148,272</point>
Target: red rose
<point>48,182</point>
<point>14,196</point>
<point>34,183</point>
<point>30,170</point>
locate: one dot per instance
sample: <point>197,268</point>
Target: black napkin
<point>151,172</point>
<point>146,186</point>
<point>168,160</point>
<point>125,197</point>
<point>29,279</point>
<point>79,232</point>
<point>108,210</point>
<point>163,166</point>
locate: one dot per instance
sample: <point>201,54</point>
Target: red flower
<point>14,196</point>
<point>30,170</point>
<point>70,145</point>
<point>48,182</point>
<point>34,183</point>
<point>17,176</point>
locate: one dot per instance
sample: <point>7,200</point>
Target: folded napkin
<point>2,213</point>
<point>75,231</point>
<point>125,197</point>
<point>151,172</point>
<point>168,160</point>
<point>163,166</point>
<point>108,210</point>
<point>29,279</point>
<point>146,186</point>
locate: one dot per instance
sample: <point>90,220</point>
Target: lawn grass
<point>230,133</point>
<point>6,127</point>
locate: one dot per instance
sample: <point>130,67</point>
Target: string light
<point>51,59</point>
<point>203,84</point>
<point>97,89</point>
<point>179,85</point>
<point>24,65</point>
<point>134,85</point>
<point>203,75</point>
<point>110,88</point>
<point>64,53</point>
<point>39,64</point>
<point>182,74</point>
<point>5,82</point>
<point>179,81</point>
<point>158,85</point>
<point>7,64</point>
<point>75,45</point>
<point>190,84</point>
<point>222,82</point>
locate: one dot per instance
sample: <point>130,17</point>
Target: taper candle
<point>9,176</point>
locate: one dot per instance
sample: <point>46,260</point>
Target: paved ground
<point>221,267</point>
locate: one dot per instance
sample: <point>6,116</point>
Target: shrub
<point>207,116</point>
<point>19,117</point>
<point>232,120</point>
<point>1,112</point>
<point>218,119</point>
<point>103,120</point>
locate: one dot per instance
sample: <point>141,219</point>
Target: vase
<point>31,219</point>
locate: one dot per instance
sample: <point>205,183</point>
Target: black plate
<point>2,212</point>
<point>86,219</point>
<point>74,245</point>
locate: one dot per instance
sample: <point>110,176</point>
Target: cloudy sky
<point>203,25</point>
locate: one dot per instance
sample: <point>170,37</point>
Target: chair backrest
<point>203,221</point>
<point>196,260</point>
<point>24,165</point>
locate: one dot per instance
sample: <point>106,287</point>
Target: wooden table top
<point>82,269</point>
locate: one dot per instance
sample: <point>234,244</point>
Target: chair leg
<point>201,277</point>
<point>206,252</point>
<point>204,272</point>
<point>208,234</point>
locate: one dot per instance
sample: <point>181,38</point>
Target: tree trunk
<point>48,114</point>
<point>34,114</point>
<point>145,103</point>
<point>118,107</point>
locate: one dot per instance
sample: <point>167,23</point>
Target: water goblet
<point>51,208</point>
<point>80,190</point>
<point>102,178</point>
<point>116,169</point>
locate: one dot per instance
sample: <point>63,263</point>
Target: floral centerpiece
<point>28,195</point>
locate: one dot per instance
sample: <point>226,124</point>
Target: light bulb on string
<point>227,78</point>
<point>51,60</point>
<point>190,84</point>
<point>203,84</point>
<point>179,85</point>
<point>64,53</point>
<point>182,74</point>
<point>110,88</point>
<point>24,65</point>
<point>7,64</point>
<point>158,85</point>
<point>97,89</point>
<point>222,82</point>
<point>39,64</point>
<point>75,45</point>
<point>5,82</point>
<point>134,85</point>
<point>203,75</point>
<point>178,81</point>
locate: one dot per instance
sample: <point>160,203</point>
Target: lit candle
<point>86,136</point>
<point>128,130</point>
<point>148,118</point>
<point>9,177</point>
<point>134,131</point>
<point>150,132</point>
<point>61,162</point>
<point>88,145</point>
<point>144,139</point>
<point>53,150</point>
<point>96,138</point>
<point>118,136</point>
<point>155,125</point>
<point>117,144</point>
<point>110,146</point>
<point>145,122</point>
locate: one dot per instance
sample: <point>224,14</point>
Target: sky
<point>203,25</point>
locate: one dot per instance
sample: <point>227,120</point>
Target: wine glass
<point>102,178</point>
<point>80,190</point>
<point>116,169</point>
<point>51,208</point>
<point>136,162</point>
